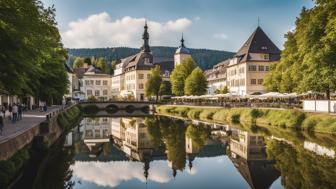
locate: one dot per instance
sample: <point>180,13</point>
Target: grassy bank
<point>322,123</point>
<point>68,118</point>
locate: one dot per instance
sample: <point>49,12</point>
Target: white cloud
<point>100,30</point>
<point>220,36</point>
<point>111,174</point>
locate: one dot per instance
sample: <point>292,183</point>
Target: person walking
<point>3,110</point>
<point>20,111</point>
<point>15,113</point>
<point>10,109</point>
<point>1,124</point>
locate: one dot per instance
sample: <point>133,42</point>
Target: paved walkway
<point>29,119</point>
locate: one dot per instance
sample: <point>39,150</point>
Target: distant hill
<point>204,58</point>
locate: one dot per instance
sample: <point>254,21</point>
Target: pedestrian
<point>3,110</point>
<point>15,113</point>
<point>1,124</point>
<point>19,111</point>
<point>10,109</point>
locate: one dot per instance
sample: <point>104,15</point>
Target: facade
<point>132,73</point>
<point>217,77</point>
<point>181,53</point>
<point>245,72</point>
<point>95,83</point>
<point>73,81</point>
<point>248,68</point>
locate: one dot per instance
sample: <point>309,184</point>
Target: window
<point>252,68</point>
<point>88,92</point>
<point>267,68</point>
<point>104,82</point>
<point>242,82</point>
<point>253,81</point>
<point>91,82</point>
<point>264,56</point>
<point>148,76</point>
<point>260,81</point>
<point>87,82</point>
<point>141,76</point>
<point>98,82</point>
<point>141,86</point>
<point>105,92</point>
<point>241,70</point>
<point>261,68</point>
<point>97,92</point>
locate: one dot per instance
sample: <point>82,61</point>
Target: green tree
<point>102,64</point>
<point>165,88</point>
<point>308,59</point>
<point>78,62</point>
<point>88,61</point>
<point>180,74</point>
<point>196,83</point>
<point>152,85</point>
<point>32,56</point>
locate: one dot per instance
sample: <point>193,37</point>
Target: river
<point>161,152</point>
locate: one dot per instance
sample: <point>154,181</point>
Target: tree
<point>165,88</point>
<point>113,67</point>
<point>32,56</point>
<point>180,74</point>
<point>308,59</point>
<point>78,62</point>
<point>102,64</point>
<point>87,60</point>
<point>196,83</point>
<point>152,85</point>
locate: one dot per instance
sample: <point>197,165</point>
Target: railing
<point>58,111</point>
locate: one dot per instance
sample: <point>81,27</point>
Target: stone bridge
<point>115,107</point>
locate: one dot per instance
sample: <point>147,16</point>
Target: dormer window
<point>264,48</point>
<point>147,61</point>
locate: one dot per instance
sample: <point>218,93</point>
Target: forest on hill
<point>203,57</point>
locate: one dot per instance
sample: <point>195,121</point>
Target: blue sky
<point>212,24</point>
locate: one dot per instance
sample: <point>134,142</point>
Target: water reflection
<point>153,152</point>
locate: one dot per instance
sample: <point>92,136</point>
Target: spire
<point>182,41</point>
<point>145,36</point>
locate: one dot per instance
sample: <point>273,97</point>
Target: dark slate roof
<point>94,69</point>
<point>138,61</point>
<point>259,174</point>
<point>258,42</point>
<point>182,50</point>
<point>166,64</point>
<point>68,68</point>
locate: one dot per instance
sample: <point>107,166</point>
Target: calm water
<point>159,152</point>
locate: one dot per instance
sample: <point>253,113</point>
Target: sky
<point>210,24</point>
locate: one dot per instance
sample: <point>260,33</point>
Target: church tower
<point>181,53</point>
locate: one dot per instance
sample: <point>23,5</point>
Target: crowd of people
<point>14,113</point>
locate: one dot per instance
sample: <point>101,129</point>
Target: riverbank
<point>47,133</point>
<point>321,123</point>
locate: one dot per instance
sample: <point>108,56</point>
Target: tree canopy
<point>180,74</point>
<point>152,86</point>
<point>32,56</point>
<point>308,59</point>
<point>196,83</point>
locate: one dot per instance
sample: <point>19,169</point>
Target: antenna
<point>258,21</point>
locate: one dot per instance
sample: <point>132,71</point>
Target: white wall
<point>319,105</point>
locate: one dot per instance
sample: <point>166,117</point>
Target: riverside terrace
<point>267,100</point>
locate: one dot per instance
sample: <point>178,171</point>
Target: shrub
<point>194,113</point>
<point>207,114</point>
<point>182,111</point>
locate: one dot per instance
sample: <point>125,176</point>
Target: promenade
<point>29,120</point>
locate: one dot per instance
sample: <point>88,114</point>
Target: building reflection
<point>248,154</point>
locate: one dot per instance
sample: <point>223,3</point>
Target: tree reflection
<point>300,168</point>
<point>173,134</point>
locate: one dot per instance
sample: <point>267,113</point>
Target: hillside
<point>204,58</point>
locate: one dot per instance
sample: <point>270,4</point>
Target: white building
<point>181,53</point>
<point>97,84</point>
<point>245,72</point>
